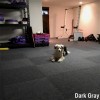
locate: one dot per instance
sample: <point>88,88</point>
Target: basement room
<point>49,49</point>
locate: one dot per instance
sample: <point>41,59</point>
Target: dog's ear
<point>62,46</point>
<point>55,47</point>
<point>65,50</point>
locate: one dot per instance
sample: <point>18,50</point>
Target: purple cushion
<point>1,18</point>
<point>11,20</point>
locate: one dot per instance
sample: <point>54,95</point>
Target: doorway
<point>45,15</point>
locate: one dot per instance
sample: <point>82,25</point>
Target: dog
<point>59,53</point>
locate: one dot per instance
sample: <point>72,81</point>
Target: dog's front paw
<point>53,60</point>
<point>61,59</point>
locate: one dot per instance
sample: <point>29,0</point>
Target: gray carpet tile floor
<point>28,74</point>
<point>18,63</point>
<point>41,89</point>
<point>22,74</point>
<point>71,83</point>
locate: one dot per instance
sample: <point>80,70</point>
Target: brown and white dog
<point>59,53</point>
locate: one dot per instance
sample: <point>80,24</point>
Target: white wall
<point>58,17</point>
<point>36,15</point>
<point>89,24</point>
<point>75,16</point>
<point>90,19</point>
<point>56,20</point>
<point>69,18</point>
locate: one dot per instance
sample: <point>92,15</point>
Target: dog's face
<point>59,48</point>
